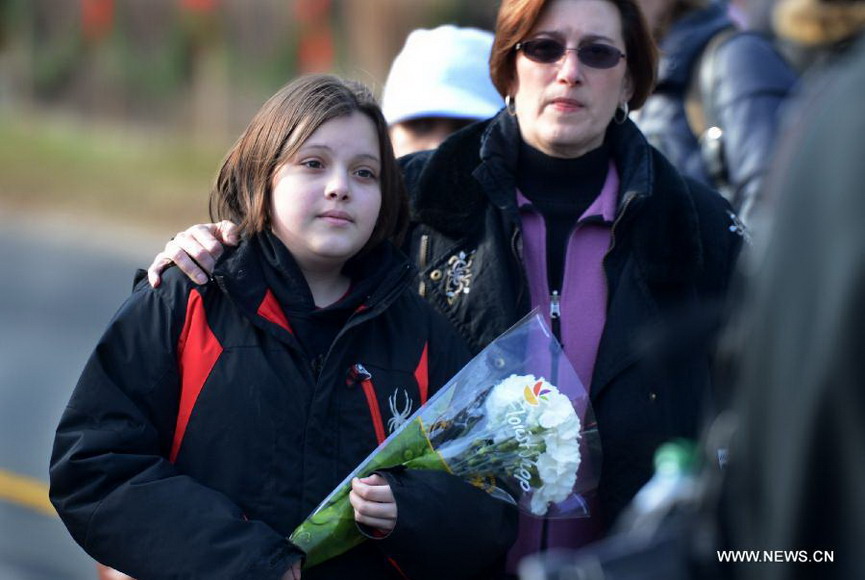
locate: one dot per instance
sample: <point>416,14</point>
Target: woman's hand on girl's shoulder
<point>194,250</point>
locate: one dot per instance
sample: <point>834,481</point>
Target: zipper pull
<point>555,310</point>
<point>356,374</point>
<point>317,364</point>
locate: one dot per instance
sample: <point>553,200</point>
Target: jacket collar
<point>656,203</point>
<point>442,196</point>
<point>245,273</point>
<point>665,237</point>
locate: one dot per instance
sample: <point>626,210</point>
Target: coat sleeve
<point>447,528</point>
<point>754,82</point>
<point>120,497</point>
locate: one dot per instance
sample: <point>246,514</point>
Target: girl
<point>210,421</point>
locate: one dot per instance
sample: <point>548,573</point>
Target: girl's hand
<point>194,250</point>
<point>293,573</point>
<point>373,502</point>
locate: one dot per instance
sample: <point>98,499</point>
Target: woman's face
<point>564,107</point>
<point>326,198</point>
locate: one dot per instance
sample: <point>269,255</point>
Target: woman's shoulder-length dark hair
<point>243,188</point>
<point>517,18</point>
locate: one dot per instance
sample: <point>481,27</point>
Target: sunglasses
<point>547,51</point>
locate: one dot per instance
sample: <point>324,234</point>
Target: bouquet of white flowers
<point>515,421</point>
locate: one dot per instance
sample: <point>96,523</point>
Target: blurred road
<point>60,283</point>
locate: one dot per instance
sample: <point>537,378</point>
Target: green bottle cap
<point>678,456</point>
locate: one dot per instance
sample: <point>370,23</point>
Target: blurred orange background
<point>132,103</point>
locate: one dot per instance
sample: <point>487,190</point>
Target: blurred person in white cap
<point>438,83</point>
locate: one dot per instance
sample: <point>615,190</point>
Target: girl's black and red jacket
<point>211,420</point>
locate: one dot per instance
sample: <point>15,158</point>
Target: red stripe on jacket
<point>270,309</point>
<point>197,352</point>
<point>421,374</point>
<point>398,569</point>
<point>374,409</point>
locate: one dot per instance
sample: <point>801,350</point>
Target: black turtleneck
<point>561,190</point>
<point>315,328</point>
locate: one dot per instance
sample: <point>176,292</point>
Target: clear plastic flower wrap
<point>515,421</point>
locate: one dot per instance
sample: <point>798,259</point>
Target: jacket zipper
<point>555,296</point>
<point>556,314</point>
<point>422,261</point>
<point>556,322</point>
<point>372,311</point>
<point>374,410</point>
<point>358,374</point>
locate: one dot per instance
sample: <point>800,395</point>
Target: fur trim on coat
<point>816,22</point>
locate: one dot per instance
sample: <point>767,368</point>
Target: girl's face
<point>564,107</point>
<point>326,199</point>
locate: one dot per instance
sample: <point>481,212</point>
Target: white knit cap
<point>442,72</point>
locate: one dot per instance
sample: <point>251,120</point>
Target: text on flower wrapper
<point>525,466</point>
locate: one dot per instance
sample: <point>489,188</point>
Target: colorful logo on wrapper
<point>534,395</point>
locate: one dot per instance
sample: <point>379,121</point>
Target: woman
<point>559,202</point>
<point>210,421</point>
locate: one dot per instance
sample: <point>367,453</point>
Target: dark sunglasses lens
<point>543,50</point>
<point>599,55</point>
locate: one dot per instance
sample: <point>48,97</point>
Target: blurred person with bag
<point>717,108</point>
<point>795,482</point>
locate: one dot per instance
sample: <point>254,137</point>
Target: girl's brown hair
<point>517,18</point>
<point>243,189</point>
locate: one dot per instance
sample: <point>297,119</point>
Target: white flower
<point>534,412</point>
<point>556,410</point>
<point>565,452</point>
<point>539,503</point>
<point>506,395</point>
